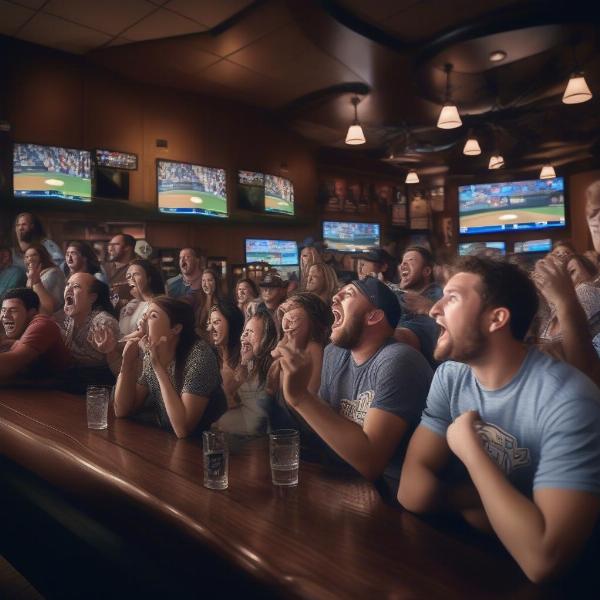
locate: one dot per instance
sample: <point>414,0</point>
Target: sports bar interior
<point>376,112</point>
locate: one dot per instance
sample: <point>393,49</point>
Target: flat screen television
<point>279,195</point>
<point>343,236</point>
<point>274,252</point>
<point>188,189</point>
<point>534,246</point>
<point>251,191</point>
<point>116,160</point>
<point>512,206</point>
<point>111,183</point>
<point>51,172</point>
<point>487,248</point>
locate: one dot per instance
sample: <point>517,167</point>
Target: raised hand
<point>296,367</point>
<point>553,281</point>
<point>34,272</point>
<point>417,304</point>
<point>104,339</point>
<point>462,436</point>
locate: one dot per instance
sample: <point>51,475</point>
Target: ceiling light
<point>496,161</point>
<point>497,56</point>
<point>472,147</point>
<point>449,117</point>
<point>577,90</point>
<point>355,135</point>
<point>547,172</point>
<point>412,177</point>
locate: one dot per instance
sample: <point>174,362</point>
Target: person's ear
<point>499,318</point>
<point>177,329</point>
<point>427,272</point>
<point>375,316</point>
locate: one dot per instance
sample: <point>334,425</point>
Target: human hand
<point>34,271</point>
<point>274,378</point>
<point>130,352</point>
<point>296,367</point>
<point>462,436</point>
<point>103,338</point>
<point>231,382</point>
<point>417,304</point>
<point>152,350</point>
<point>553,281</point>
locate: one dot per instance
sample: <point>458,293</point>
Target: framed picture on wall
<point>419,209</point>
<point>436,196</point>
<point>400,209</point>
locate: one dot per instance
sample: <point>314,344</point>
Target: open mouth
<point>337,317</point>
<point>69,300</point>
<point>9,326</point>
<point>246,348</point>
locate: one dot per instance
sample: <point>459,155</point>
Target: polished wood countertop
<point>331,537</point>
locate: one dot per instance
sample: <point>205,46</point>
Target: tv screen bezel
<point>355,222</point>
<point>96,164</point>
<point>515,251</point>
<point>67,201</point>
<point>512,231</point>
<point>271,240</point>
<point>191,215</point>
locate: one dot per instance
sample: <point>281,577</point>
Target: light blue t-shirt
<point>542,428</point>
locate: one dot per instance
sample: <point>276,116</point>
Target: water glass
<point>216,460</point>
<point>284,451</point>
<point>96,400</point>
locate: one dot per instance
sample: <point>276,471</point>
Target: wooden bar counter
<point>132,499</point>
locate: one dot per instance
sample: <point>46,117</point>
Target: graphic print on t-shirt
<point>356,410</point>
<point>503,448</point>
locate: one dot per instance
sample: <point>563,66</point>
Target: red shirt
<point>43,336</point>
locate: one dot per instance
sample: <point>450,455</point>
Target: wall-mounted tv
<point>111,183</point>
<point>485,248</point>
<point>251,191</point>
<point>51,172</point>
<point>534,246</point>
<point>279,195</point>
<point>343,236</point>
<point>189,189</point>
<point>116,160</point>
<point>274,252</point>
<point>511,206</point>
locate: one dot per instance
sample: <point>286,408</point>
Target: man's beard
<point>348,335</point>
<point>26,236</point>
<point>471,347</point>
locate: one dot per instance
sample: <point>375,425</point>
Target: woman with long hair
<point>44,278</point>
<point>145,282</point>
<point>210,294</point>
<point>322,281</point>
<point>246,290</point>
<point>246,386</point>
<point>309,256</point>
<point>180,385</point>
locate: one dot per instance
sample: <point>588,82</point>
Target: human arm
<point>543,535</point>
<point>13,361</point>
<point>129,395</point>
<point>48,303</point>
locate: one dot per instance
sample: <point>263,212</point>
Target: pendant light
<point>496,161</point>
<point>355,135</point>
<point>472,147</point>
<point>547,172</point>
<point>449,117</point>
<point>412,177</point>
<point>577,90</point>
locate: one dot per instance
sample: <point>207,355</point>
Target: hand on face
<point>152,349</point>
<point>462,436</point>
<point>296,368</point>
<point>34,272</point>
<point>553,281</point>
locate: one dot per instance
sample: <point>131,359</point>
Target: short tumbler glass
<point>96,400</point>
<point>216,460</point>
<point>284,451</point>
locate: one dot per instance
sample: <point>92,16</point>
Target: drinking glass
<point>216,460</point>
<point>284,452</point>
<point>96,400</point>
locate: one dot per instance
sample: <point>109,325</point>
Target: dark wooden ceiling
<point>303,60</point>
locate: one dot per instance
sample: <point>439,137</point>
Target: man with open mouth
<point>35,349</point>
<point>373,389</point>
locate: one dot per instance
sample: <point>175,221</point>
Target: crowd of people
<point>173,175</point>
<point>468,387</point>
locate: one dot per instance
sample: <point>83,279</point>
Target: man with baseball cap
<point>372,388</point>
<point>273,291</point>
<point>374,262</point>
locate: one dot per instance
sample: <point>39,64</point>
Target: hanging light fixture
<point>449,117</point>
<point>472,147</point>
<point>412,177</point>
<point>496,161</point>
<point>577,90</point>
<point>355,135</point>
<point>547,172</point>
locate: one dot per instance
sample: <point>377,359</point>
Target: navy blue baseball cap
<point>380,296</point>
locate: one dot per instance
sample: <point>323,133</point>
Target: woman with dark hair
<point>246,290</point>
<point>179,388</point>
<point>145,282</point>
<point>44,278</point>
<point>211,294</point>
<point>80,257</point>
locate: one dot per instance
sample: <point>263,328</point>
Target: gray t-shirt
<point>201,376</point>
<point>542,428</point>
<point>395,379</point>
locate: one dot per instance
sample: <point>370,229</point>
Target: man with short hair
<point>11,276</point>
<point>273,291</point>
<point>121,251</point>
<point>372,263</point>
<point>416,293</point>
<point>372,388</point>
<point>37,349</point>
<point>28,230</point>
<point>525,426</point>
<point>188,283</point>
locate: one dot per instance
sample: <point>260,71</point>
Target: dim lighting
<point>412,177</point>
<point>496,161</point>
<point>577,90</point>
<point>472,147</point>
<point>497,56</point>
<point>449,117</point>
<point>355,135</point>
<point>547,172</point>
